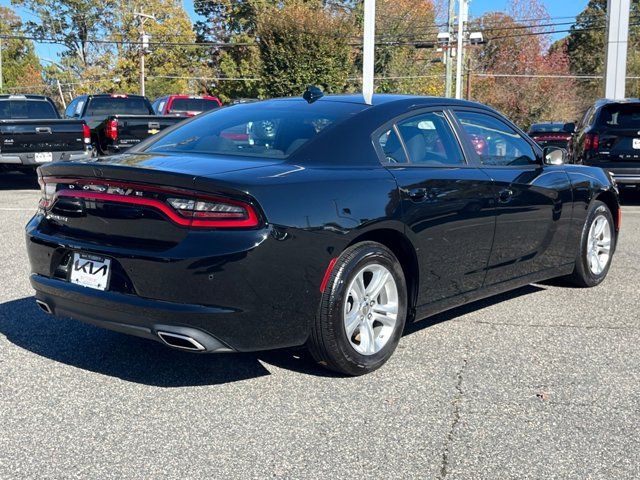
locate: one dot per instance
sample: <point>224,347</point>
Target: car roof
<point>19,96</point>
<point>384,98</point>
<point>608,101</point>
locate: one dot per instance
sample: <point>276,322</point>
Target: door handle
<point>505,195</point>
<point>417,194</point>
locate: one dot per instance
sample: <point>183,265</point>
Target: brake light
<point>118,95</point>
<point>111,130</point>
<point>591,141</point>
<point>86,133</point>
<point>48,190</point>
<point>183,207</point>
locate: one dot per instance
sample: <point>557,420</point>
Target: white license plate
<point>636,143</point>
<point>43,157</point>
<point>90,271</point>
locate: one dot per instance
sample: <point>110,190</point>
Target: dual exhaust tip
<point>181,341</point>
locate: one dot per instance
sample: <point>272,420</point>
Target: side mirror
<point>554,156</point>
<point>569,127</point>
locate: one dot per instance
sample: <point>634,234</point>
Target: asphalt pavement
<point>542,382</point>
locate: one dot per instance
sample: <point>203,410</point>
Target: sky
<point>556,8</point>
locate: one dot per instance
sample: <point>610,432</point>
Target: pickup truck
<point>32,133</point>
<point>117,121</point>
<point>185,105</point>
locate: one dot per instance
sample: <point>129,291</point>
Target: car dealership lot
<point>540,382</point>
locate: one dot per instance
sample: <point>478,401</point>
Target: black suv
<point>608,136</point>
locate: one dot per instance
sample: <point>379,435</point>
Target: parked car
<point>350,221</point>
<point>117,121</point>
<point>32,133</point>
<point>552,134</point>
<point>185,105</point>
<point>608,136</point>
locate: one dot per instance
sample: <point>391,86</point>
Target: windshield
<point>193,105</point>
<point>620,116</point>
<point>272,129</point>
<point>118,106</point>
<point>24,109</point>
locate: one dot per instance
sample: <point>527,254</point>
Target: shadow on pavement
<point>150,363</point>
<point>18,181</point>
<point>135,359</point>
<point>469,308</point>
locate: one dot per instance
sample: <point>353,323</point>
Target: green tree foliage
<point>20,66</point>
<point>168,67</point>
<point>304,43</point>
<point>586,46</point>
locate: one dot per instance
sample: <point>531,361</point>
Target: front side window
<point>429,140</point>
<point>71,109</point>
<point>266,129</point>
<point>495,142</point>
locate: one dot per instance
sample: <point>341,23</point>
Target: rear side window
<point>118,106</point>
<point>193,105</point>
<point>392,147</point>
<point>429,140</point>
<point>495,142</point>
<point>27,109</point>
<point>265,129</point>
<point>620,116</point>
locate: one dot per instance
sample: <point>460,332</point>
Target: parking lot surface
<point>543,382</point>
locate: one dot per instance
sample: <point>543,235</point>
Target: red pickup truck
<point>185,105</point>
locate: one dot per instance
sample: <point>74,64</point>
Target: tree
<point>515,68</point>
<point>304,43</point>
<point>404,68</point>
<point>586,46</point>
<point>168,67</point>
<point>20,65</point>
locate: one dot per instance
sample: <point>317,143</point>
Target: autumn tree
<point>20,65</point>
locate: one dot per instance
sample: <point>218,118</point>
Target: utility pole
<point>463,8</point>
<point>448,86</point>
<point>368,50</point>
<point>144,45</point>
<point>616,57</point>
<point>468,88</point>
<point>64,104</point>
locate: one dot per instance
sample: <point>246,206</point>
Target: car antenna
<point>312,93</point>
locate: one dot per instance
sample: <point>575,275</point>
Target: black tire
<point>328,343</point>
<point>582,275</point>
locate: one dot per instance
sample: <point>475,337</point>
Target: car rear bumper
<point>27,159</point>
<point>130,314</point>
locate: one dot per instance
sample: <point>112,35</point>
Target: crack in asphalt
<point>560,325</point>
<point>444,466</point>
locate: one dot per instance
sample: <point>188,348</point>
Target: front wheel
<point>362,311</point>
<point>597,244</point>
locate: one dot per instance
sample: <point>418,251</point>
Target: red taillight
<point>185,208</point>
<point>591,141</point>
<point>111,129</point>
<point>86,133</point>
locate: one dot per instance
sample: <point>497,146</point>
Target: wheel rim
<point>371,309</point>
<point>599,245</point>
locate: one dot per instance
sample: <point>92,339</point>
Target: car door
<point>533,200</point>
<point>446,203</point>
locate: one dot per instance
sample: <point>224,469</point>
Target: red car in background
<point>185,105</point>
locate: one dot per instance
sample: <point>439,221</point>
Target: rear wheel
<point>362,312</point>
<point>597,245</point>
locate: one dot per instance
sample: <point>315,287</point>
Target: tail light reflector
<point>591,141</point>
<point>86,133</point>
<point>111,129</point>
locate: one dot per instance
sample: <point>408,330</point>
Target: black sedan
<point>330,223</point>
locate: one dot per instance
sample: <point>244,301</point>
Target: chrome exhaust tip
<point>44,307</point>
<point>182,342</point>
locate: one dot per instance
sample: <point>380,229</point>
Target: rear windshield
<point>547,127</point>
<point>193,105</point>
<point>620,116</point>
<point>118,106</point>
<point>26,109</point>
<point>266,129</point>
